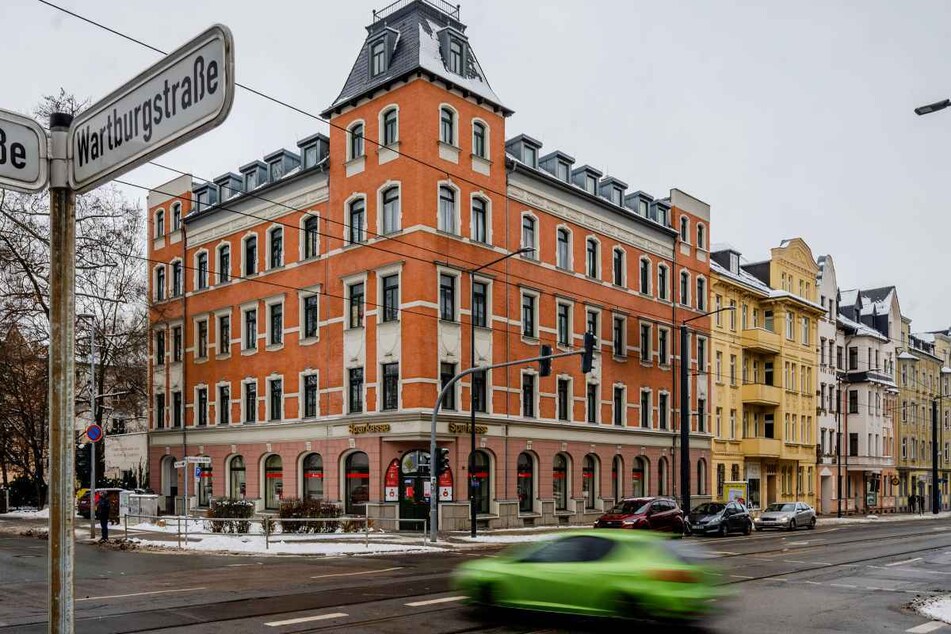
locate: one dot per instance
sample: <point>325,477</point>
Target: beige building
<point>764,373</point>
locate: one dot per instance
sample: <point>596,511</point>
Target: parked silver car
<point>786,515</point>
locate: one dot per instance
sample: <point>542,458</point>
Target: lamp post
<point>473,512</point>
<point>685,406</point>
<point>933,107</point>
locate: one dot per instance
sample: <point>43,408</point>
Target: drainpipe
<point>185,474</point>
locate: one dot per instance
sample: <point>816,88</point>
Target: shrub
<point>296,508</point>
<point>233,511</point>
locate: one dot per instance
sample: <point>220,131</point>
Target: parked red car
<point>655,514</point>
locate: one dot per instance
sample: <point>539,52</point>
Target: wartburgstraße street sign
<point>23,153</point>
<point>186,94</point>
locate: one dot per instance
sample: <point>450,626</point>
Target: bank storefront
<point>523,473</point>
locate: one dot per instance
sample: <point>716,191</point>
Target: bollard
<point>125,521</point>
<point>366,532</point>
<point>267,533</point>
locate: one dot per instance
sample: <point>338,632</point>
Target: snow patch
<point>935,608</point>
<point>253,544</point>
<point>30,514</point>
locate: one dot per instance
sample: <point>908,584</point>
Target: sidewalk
<point>875,519</point>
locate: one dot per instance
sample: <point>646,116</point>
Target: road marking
<point>257,563</point>
<point>797,543</point>
<point>924,628</point>
<point>899,563</point>
<point>308,619</point>
<point>873,588</point>
<point>740,577</point>
<point>139,594</point>
<point>352,574</point>
<point>418,604</point>
<point>842,585</point>
<point>813,583</point>
<point>723,552</point>
<point>811,563</point>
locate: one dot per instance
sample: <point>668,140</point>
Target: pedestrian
<point>103,510</point>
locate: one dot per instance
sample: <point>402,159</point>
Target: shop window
<point>639,477</point>
<point>312,476</point>
<point>589,481</point>
<point>559,476</point>
<point>273,482</point>
<point>480,477</point>
<point>237,487</point>
<point>525,468</point>
<point>357,477</point>
<point>617,483</point>
<point>204,486</point>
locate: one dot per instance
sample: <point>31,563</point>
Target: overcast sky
<point>792,119</point>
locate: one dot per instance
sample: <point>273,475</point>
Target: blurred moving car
<point>786,515</point>
<point>719,519</point>
<point>632,574</point>
<point>82,507</point>
<point>656,514</point>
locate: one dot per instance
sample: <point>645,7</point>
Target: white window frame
<point>302,247</point>
<point>221,246</point>
<point>536,393</point>
<point>457,297</point>
<point>302,295</point>
<point>569,265</point>
<point>684,301</point>
<point>488,148</point>
<point>669,410</point>
<point>350,127</point>
<point>380,228</point>
<point>227,312</point>
<point>597,258</point>
<point>488,217</point>
<point>536,227</point>
<point>268,418</point>
<point>268,302</point>
<point>456,204</point>
<point>571,319</point>
<point>218,405</point>
<point>302,394</point>
<point>455,125</point>
<point>393,107</point>
<point>684,229</point>
<point>650,408</point>
<point>623,405</point>
<point>571,398</point>
<point>257,400</point>
<point>244,253</point>
<point>242,310</point>
<point>663,290</point>
<point>650,276</point>
<point>622,353</point>
<point>623,281</point>
<point>387,271</point>
<point>164,295</point>
<point>536,327</point>
<point>267,256</point>
<point>347,229</point>
<point>701,279</point>
<point>701,230</point>
<point>171,278</point>
<point>159,223</point>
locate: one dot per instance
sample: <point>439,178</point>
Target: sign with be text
<point>23,160</point>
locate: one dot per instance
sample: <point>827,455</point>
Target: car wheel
<point>812,524</point>
<point>748,528</point>
<point>485,596</point>
<point>628,607</point>
<point>792,525</point>
<point>722,531</point>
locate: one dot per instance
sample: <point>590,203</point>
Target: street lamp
<point>473,512</point>
<point>933,107</point>
<point>685,406</point>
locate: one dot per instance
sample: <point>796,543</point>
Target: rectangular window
<point>177,344</point>
<point>250,402</point>
<point>479,392</point>
<point>356,141</point>
<point>276,237</point>
<point>701,354</point>
<point>789,325</point>
<point>528,395</point>
<point>853,402</point>
<point>562,171</point>
<point>202,266</point>
<point>478,140</point>
<point>480,221</point>
<point>662,282</point>
<point>447,126</point>
<point>446,373</point>
<point>733,315</point>
<point>618,267</point>
<point>224,404</point>
<point>563,259</point>
<point>455,56</point>
<point>564,399</point>
<point>224,264</point>
<point>311,237</point>
<point>310,396</point>
<point>646,409</point>
<point>480,292</point>
<point>564,324</point>
<point>357,221</point>
<point>620,407</point>
<point>202,351</point>
<point>277,323</point>
<point>592,403</point>
<point>391,297</point>
<point>355,311</point>
<point>251,255</point>
<point>663,335</point>
<point>311,318</point>
<point>391,210</point>
<point>160,347</point>
<point>355,401</point>
<point>662,409</point>
<point>701,414</point>
<point>645,343</point>
<point>805,330</point>
<point>377,58</point>
<point>177,409</point>
<point>251,329</point>
<point>853,358</point>
<point>160,411</point>
<point>618,337</point>
<point>201,396</point>
<point>391,386</point>
<point>732,369</point>
<point>224,334</point>
<point>447,297</point>
<point>592,325</point>
<point>528,316</point>
<point>276,405</point>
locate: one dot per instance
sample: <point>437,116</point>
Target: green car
<point>633,574</point>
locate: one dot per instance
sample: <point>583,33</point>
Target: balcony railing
<point>762,447</point>
<point>452,10</point>
<point>761,340</point>
<point>760,394</point>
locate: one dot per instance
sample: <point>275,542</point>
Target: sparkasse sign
<point>23,153</point>
<point>187,93</point>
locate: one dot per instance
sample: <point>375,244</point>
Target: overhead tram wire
<point>460,177</point>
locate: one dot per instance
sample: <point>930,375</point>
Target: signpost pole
<point>62,378</point>
<point>92,409</point>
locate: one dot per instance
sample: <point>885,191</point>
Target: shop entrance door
<point>414,489</point>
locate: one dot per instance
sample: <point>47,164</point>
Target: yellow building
<point>763,373</point>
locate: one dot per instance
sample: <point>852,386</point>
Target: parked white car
<point>786,516</point>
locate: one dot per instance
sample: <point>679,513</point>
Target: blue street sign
<point>197,471</point>
<point>94,433</point>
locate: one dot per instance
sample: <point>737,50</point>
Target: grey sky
<point>792,119</point>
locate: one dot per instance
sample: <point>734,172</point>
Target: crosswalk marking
<point>308,619</point>
<point>417,604</point>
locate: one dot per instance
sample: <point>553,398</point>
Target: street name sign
<point>198,459</point>
<point>24,165</point>
<point>186,94</point>
<point>179,464</point>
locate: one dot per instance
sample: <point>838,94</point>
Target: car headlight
<point>784,520</point>
<point>632,522</point>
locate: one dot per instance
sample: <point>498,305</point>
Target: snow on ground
<point>936,608</point>
<point>255,545</point>
<point>29,514</point>
<point>875,519</point>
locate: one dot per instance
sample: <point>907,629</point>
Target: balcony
<point>760,394</point>
<point>868,463</point>
<point>761,340</point>
<point>761,447</point>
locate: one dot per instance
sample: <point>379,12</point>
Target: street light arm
<point>933,107</point>
<point>712,312</point>
<point>521,251</point>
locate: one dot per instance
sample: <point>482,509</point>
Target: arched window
<point>480,475</point>
<point>391,209</point>
<point>525,482</point>
<point>355,147</point>
<point>645,276</point>
<point>560,481</point>
<point>701,294</point>
<point>357,218</point>
<point>447,125</point>
<point>684,229</point>
<point>224,263</point>
<point>160,282</point>
<point>662,281</point>
<point>589,480</point>
<point>701,236</point>
<point>591,257</point>
<point>563,255</point>
<point>311,236</point>
<point>273,482</point>
<point>447,209</point>
<point>684,288</point>
<point>480,136</point>
<point>701,477</point>
<point>312,477</point>
<point>176,216</point>
<point>275,238</point>
<point>160,223</point>
<point>177,278</point>
<point>390,127</point>
<point>662,476</point>
<point>617,267</point>
<point>639,477</point>
<point>250,255</point>
<point>204,485</point>
<point>480,220</point>
<point>617,478</point>
<point>237,484</point>
<point>529,236</point>
<point>357,478</point>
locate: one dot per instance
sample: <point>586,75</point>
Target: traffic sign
<point>24,164</point>
<point>184,95</point>
<point>197,471</point>
<point>94,433</point>
<point>178,464</point>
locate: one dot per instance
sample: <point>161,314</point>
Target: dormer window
<point>562,171</point>
<point>377,58</point>
<point>456,52</point>
<point>590,184</point>
<point>530,156</point>
<point>310,156</point>
<point>734,263</point>
<point>643,208</point>
<point>202,201</point>
<point>615,195</point>
<point>250,181</point>
<point>275,171</point>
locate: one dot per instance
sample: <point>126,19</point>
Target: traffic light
<point>544,365</point>
<point>587,357</point>
<point>442,461</point>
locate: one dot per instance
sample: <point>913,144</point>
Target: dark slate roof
<point>878,294</point>
<point>417,49</point>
